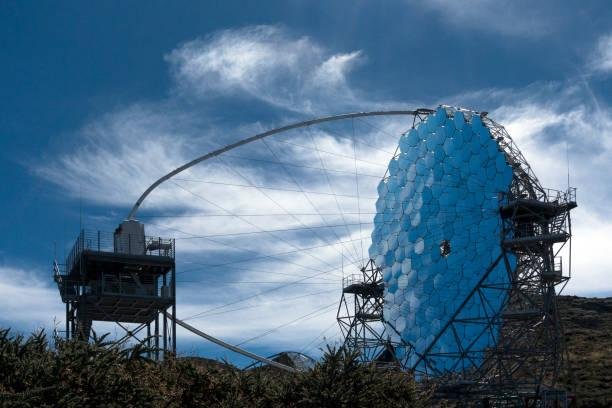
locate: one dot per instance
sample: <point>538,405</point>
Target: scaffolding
<point>361,320</point>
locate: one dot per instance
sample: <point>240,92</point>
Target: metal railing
<point>558,226</point>
<point>100,241</point>
<point>109,285</point>
<point>546,195</point>
<point>69,289</point>
<point>557,196</point>
<point>353,279</point>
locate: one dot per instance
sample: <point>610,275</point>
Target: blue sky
<point>99,101</point>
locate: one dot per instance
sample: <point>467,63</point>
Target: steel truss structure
<point>360,316</point>
<point>528,355</point>
<point>132,281</point>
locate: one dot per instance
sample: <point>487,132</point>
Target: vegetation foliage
<point>37,373</point>
<point>78,374</point>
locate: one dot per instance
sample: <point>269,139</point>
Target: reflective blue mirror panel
<point>437,230</point>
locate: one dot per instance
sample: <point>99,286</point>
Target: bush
<point>78,374</point>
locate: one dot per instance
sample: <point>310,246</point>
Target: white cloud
<point>548,121</point>
<point>590,262</point>
<point>27,301</point>
<point>268,312</point>
<point>265,63</point>
<point>333,71</point>
<point>510,18</point>
<point>117,155</point>
<point>601,59</point>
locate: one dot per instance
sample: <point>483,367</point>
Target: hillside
<point>588,333</point>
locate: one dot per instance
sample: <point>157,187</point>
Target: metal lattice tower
<point>360,315</point>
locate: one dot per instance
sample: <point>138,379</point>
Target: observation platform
<point>547,204</point>
<point>354,284</point>
<point>150,254</point>
<point>535,222</point>
<point>123,276</point>
<point>373,317</point>
<point>531,239</point>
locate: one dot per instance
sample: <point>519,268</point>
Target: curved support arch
<point>134,210</point>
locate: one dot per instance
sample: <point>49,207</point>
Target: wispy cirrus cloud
<point>601,57</point>
<point>508,18</point>
<point>139,143</point>
<point>266,63</point>
<point>116,153</point>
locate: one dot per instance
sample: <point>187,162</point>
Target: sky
<point>100,100</point>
